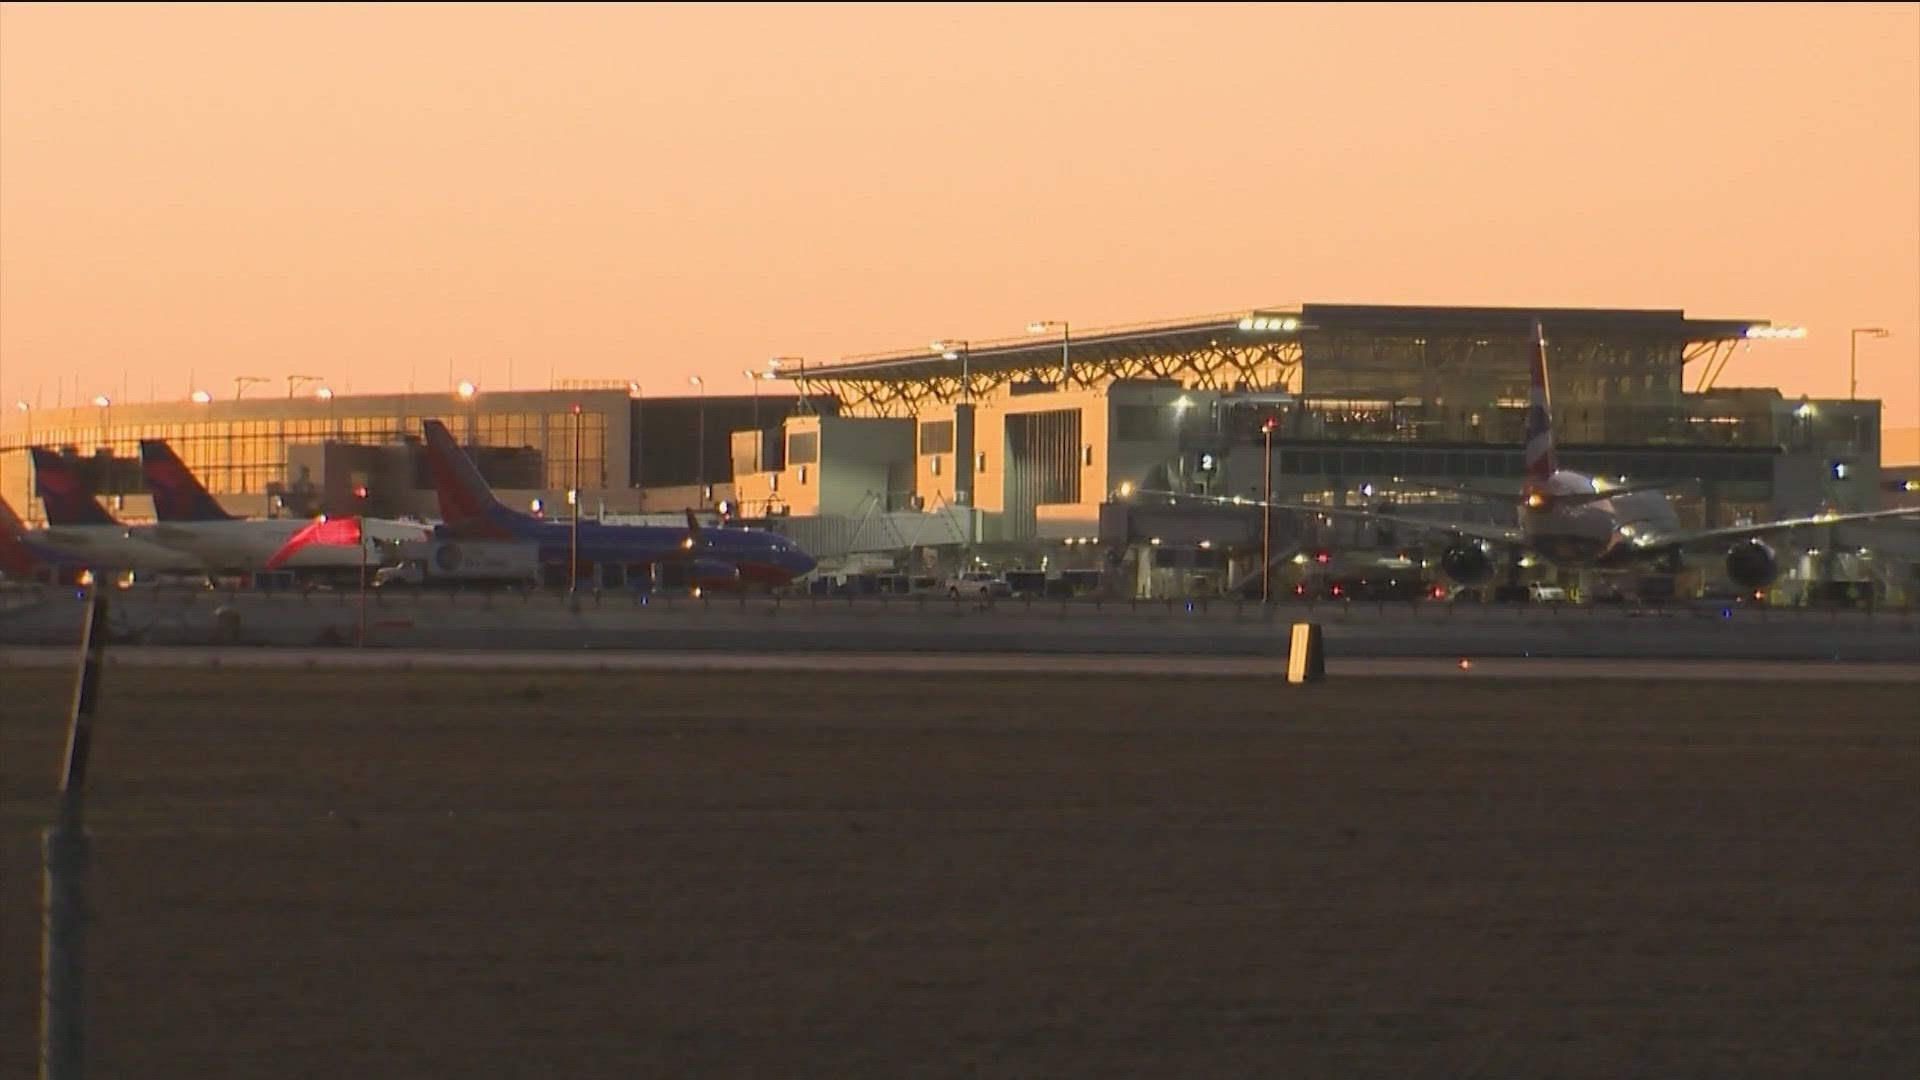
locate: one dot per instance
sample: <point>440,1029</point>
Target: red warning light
<point>1299,590</point>
<point>1322,556</point>
<point>360,491</point>
<point>1336,590</point>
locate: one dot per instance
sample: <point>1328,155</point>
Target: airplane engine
<point>1752,565</point>
<point>1467,562</point>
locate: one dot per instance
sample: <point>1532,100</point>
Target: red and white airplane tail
<point>15,557</point>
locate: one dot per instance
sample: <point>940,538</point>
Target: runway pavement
<point>1195,632</point>
<point>1465,667</point>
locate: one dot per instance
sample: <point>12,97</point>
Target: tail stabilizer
<point>1540,462</point>
<point>67,500</point>
<point>466,502</point>
<point>178,495</point>
<point>15,556</point>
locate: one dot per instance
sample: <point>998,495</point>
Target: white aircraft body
<point>192,521</point>
<point>1574,520</point>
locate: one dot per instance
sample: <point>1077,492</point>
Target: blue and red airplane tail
<point>467,505</point>
<point>177,494</point>
<point>67,500</point>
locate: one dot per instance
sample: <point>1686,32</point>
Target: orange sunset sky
<point>374,193</point>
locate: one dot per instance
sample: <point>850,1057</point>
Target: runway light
<point>1466,664</point>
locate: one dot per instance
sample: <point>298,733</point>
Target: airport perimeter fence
<point>1280,609</point>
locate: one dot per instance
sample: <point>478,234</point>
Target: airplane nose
<point>801,562</point>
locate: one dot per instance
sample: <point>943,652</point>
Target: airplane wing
<point>1742,532</point>
<point>1513,498</point>
<point>67,537</point>
<point>1502,534</point>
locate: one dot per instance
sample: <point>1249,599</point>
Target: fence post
<point>63,951</point>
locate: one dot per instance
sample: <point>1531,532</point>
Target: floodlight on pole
<point>241,382</point>
<point>294,381</point>
<point>1066,343</point>
<point>753,380</point>
<point>201,397</point>
<point>701,453</point>
<point>1853,355</point>
<point>778,363</point>
<point>958,349</point>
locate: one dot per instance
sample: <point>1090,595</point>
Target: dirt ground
<point>440,875</point>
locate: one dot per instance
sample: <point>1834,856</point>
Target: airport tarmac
<point>1465,667</point>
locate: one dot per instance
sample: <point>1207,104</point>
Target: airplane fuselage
<point>1595,532</point>
<point>719,556</point>
<point>247,545</point>
<point>108,547</point>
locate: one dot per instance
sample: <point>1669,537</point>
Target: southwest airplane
<point>1578,521</point>
<point>714,558</point>
<point>80,530</point>
<point>193,522</point>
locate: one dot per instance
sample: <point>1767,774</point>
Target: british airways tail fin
<point>466,502</point>
<point>1539,454</point>
<point>177,494</point>
<point>67,500</point>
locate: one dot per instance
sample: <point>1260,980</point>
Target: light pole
<point>26,415</point>
<point>701,467</point>
<point>1066,339</point>
<point>294,381</point>
<point>753,379</point>
<point>105,405</point>
<point>957,349</point>
<point>326,394</point>
<point>241,382</point>
<point>467,392</point>
<point>1853,355</point>
<point>573,497</point>
<point>1266,515</point>
<point>773,367</point>
<point>639,478</point>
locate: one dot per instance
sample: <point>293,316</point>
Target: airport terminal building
<point>1032,452</point>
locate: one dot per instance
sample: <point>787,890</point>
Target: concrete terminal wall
<point>545,621</point>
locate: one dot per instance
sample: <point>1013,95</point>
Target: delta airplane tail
<point>177,494</point>
<point>15,556</point>
<point>467,504</point>
<point>1540,463</point>
<point>67,500</point>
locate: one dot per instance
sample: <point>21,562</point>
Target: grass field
<point>419,874</point>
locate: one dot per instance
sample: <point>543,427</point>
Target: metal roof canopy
<point>1663,325</point>
<point>1217,347</point>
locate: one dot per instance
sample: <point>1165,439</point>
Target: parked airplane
<point>714,558</point>
<point>1578,521</point>
<point>81,530</point>
<point>20,555</point>
<point>192,521</point>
